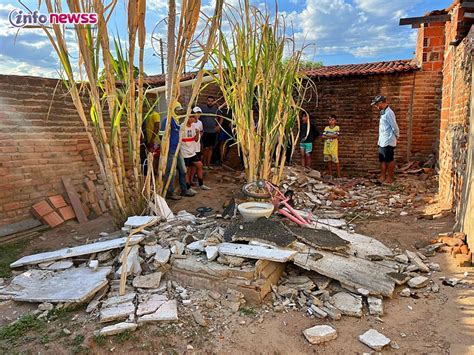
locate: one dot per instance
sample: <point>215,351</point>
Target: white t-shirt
<point>188,145</point>
<point>199,128</point>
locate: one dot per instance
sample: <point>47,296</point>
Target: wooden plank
<point>75,251</point>
<point>19,226</point>
<point>352,271</point>
<point>424,19</point>
<point>75,200</point>
<point>72,285</point>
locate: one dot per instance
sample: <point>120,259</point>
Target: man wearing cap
<point>388,135</point>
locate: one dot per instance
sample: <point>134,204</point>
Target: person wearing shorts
<point>331,146</point>
<point>308,133</point>
<point>211,128</point>
<point>388,135</point>
<point>199,130</point>
<point>188,151</point>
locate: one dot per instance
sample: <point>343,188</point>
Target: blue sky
<point>337,32</point>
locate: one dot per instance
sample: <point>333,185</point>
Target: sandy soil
<point>433,323</point>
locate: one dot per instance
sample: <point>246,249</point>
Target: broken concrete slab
<point>398,277</point>
<point>57,287</point>
<point>333,312</point>
<point>151,250</point>
<point>415,259</point>
<point>320,334</point>
<point>168,311</point>
<point>133,261</point>
<point>58,265</point>
<point>212,252</point>
<point>374,340</point>
<point>256,252</point>
<point>263,230</point>
<point>117,312</point>
<point>319,238</point>
<point>147,281</point>
<point>375,306</point>
<point>352,271</point>
<point>75,251</point>
<point>117,300</point>
<point>198,245</point>
<point>117,329</point>
<point>162,256</point>
<point>348,304</point>
<point>151,304</point>
<point>138,221</point>
<point>402,258</point>
<point>418,282</point>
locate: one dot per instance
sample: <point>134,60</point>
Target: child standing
<point>331,145</point>
<point>308,133</point>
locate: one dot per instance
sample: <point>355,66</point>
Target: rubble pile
<point>361,196</point>
<point>209,268</point>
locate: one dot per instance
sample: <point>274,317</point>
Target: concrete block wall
<point>41,140</point>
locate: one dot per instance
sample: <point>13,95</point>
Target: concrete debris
<point>230,260</point>
<point>93,264</point>
<point>168,311</point>
<point>150,303</point>
<point>198,245</point>
<point>56,286</point>
<point>402,258</point>
<point>58,265</point>
<point>75,251</point>
<point>375,306</point>
<point>117,329</point>
<point>256,252</point>
<point>418,282</point>
<point>320,334</point>
<point>398,277</point>
<point>374,340</point>
<point>133,262</point>
<point>178,248</point>
<point>348,304</point>
<point>151,250</point>
<point>212,252</point>
<point>46,306</point>
<point>147,281</point>
<point>162,256</point>
<point>415,259</point>
<point>332,312</point>
<point>199,319</point>
<point>406,292</point>
<point>115,312</point>
<point>138,221</point>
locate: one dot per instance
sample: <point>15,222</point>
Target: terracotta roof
<point>395,66</point>
<point>159,80</point>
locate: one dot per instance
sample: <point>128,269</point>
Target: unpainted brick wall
<point>41,140</point>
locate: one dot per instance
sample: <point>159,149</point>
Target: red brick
<point>41,209</point>
<point>67,213</point>
<point>11,206</point>
<point>53,219</point>
<point>57,201</point>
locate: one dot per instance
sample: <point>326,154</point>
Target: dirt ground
<point>432,324</point>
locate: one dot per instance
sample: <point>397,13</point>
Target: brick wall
<point>37,149</point>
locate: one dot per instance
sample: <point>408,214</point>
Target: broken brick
<point>460,235</point>
<point>464,260</point>
<point>41,209</point>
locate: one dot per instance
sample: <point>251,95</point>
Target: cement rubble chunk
<point>133,262</point>
<point>116,300</point>
<point>137,221</point>
<point>162,256</point>
<point>375,306</point>
<point>418,282</point>
<point>332,311</point>
<point>256,252</point>
<point>320,334</point>
<point>415,259</point>
<point>117,312</point>
<point>198,245</point>
<point>147,281</point>
<point>168,311</point>
<point>67,253</point>
<point>402,258</point>
<point>348,304</point>
<point>406,292</point>
<point>58,265</point>
<point>151,304</point>
<point>118,328</point>
<point>56,286</point>
<point>374,340</point>
<point>151,250</point>
<point>212,252</point>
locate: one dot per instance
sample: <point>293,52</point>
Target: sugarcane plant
<point>257,67</point>
<point>108,110</point>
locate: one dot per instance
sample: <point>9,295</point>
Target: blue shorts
<point>306,147</point>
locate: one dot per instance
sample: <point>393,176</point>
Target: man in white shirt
<point>388,135</point>
<point>188,151</point>
<point>199,130</point>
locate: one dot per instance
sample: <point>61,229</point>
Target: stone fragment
<point>147,281</point>
<point>402,258</point>
<point>199,319</point>
<point>418,282</point>
<point>318,311</point>
<point>215,295</point>
<point>116,312</point>
<point>178,248</point>
<point>415,259</point>
<point>168,311</point>
<point>198,245</point>
<point>137,221</point>
<point>133,262</point>
<point>348,304</point>
<point>118,328</point>
<point>162,256</point>
<point>399,278</point>
<point>116,300</point>
<point>66,331</point>
<point>93,264</point>
<point>434,266</point>
<point>406,292</point>
<point>375,306</point>
<point>332,311</point>
<point>374,340</point>
<point>46,306</point>
<point>435,288</point>
<point>151,304</point>
<point>150,250</point>
<point>212,252</point>
<point>320,334</point>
